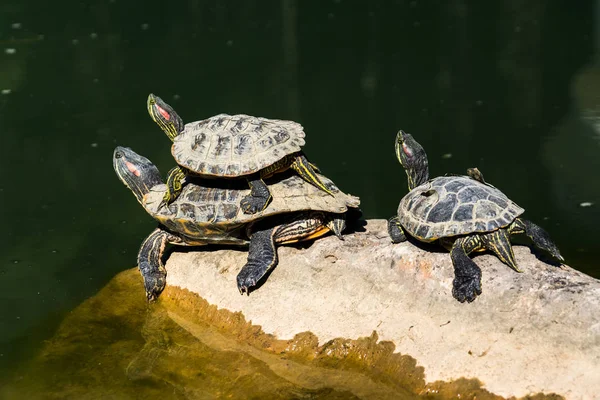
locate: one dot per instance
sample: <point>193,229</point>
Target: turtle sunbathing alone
<point>231,146</point>
<point>211,215</point>
<point>464,213</point>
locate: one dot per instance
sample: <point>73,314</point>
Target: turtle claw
<point>154,285</point>
<point>249,276</point>
<point>166,200</point>
<point>466,288</point>
<point>253,204</point>
<point>244,290</point>
<point>245,282</point>
<point>163,203</point>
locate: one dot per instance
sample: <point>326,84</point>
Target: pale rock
<point>530,332</point>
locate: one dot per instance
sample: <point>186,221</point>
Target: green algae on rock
<point>115,345</point>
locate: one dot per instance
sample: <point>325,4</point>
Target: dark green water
<point>510,87</point>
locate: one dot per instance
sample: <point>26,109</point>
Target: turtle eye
<point>118,155</point>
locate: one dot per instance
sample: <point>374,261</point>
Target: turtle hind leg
<point>498,242</point>
<point>541,238</point>
<point>475,173</point>
<point>262,256</point>
<point>395,230</point>
<point>258,199</point>
<point>466,285</point>
<point>307,172</point>
<point>314,166</point>
<point>174,184</point>
<point>150,262</point>
<point>337,224</point>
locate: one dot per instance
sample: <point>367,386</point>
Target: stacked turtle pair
<point>194,211</point>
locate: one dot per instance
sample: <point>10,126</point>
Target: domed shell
<point>235,145</point>
<point>455,205</point>
<point>213,214</point>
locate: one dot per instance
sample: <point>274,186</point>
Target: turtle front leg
<point>467,275</point>
<point>258,199</point>
<point>150,262</point>
<point>395,230</point>
<point>262,256</point>
<point>541,238</point>
<point>306,170</point>
<point>175,177</point>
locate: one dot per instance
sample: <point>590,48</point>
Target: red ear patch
<point>162,112</point>
<point>407,150</point>
<point>132,168</point>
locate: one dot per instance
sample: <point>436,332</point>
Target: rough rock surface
<point>538,331</point>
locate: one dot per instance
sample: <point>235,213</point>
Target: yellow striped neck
<point>417,176</point>
<point>170,130</point>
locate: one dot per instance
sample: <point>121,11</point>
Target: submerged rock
<point>531,332</point>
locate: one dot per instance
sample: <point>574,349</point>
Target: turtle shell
<point>235,145</point>
<point>455,205</point>
<point>213,214</point>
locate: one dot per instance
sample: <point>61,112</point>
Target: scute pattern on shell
<point>200,212</point>
<point>455,205</point>
<point>235,145</point>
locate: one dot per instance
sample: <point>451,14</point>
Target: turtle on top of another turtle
<point>233,146</point>
<point>464,213</point>
<point>211,215</point>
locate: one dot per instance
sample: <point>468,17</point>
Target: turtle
<point>233,146</point>
<point>211,215</point>
<point>463,213</point>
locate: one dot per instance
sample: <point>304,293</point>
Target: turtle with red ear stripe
<point>211,214</point>
<point>233,146</point>
<point>464,213</point>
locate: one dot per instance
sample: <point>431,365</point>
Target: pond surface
<point>510,87</point>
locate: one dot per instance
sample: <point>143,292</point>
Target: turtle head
<point>413,158</point>
<point>164,116</point>
<point>135,171</point>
